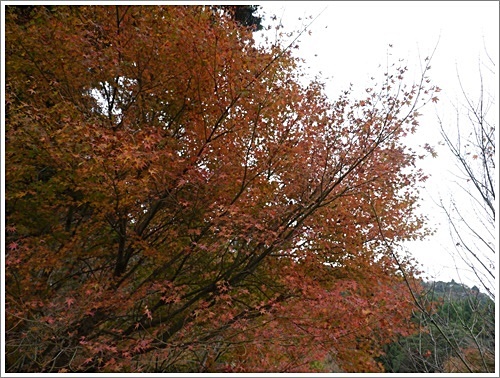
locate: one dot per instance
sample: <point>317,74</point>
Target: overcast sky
<point>348,42</point>
<point>350,39</point>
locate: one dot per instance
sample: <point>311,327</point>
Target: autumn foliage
<point>177,201</point>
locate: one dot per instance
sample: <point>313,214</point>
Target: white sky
<point>349,41</point>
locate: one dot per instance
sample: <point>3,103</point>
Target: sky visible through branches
<point>349,42</point>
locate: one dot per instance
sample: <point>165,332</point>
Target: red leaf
<point>69,301</point>
<point>13,246</point>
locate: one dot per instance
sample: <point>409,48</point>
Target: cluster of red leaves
<point>177,201</point>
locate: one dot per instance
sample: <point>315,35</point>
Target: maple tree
<point>177,201</point>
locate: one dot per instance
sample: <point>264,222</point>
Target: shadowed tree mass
<point>176,201</point>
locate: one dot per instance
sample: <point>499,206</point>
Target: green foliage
<point>467,318</point>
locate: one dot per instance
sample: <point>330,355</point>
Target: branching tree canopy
<point>177,201</point>
<point>457,333</point>
<point>471,141</point>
